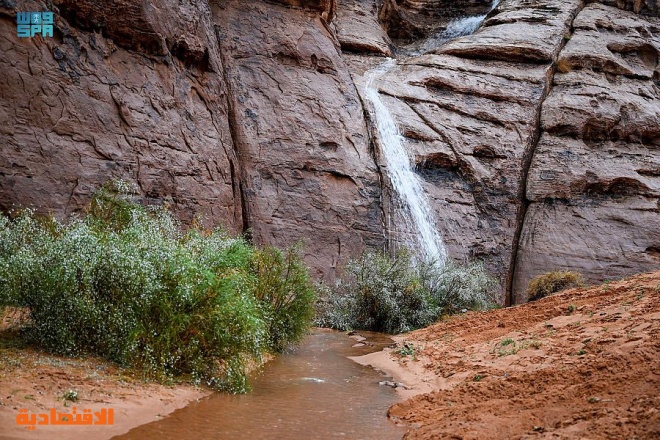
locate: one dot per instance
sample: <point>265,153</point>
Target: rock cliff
<point>536,137</point>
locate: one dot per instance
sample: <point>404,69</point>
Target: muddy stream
<point>315,392</point>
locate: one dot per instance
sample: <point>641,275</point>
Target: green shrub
<point>552,282</point>
<point>128,284</point>
<point>393,294</point>
<point>286,295</point>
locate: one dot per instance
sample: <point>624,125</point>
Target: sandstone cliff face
<point>300,134</point>
<point>469,114</point>
<point>536,137</point>
<point>528,168</point>
<point>273,141</point>
<point>78,109</point>
<point>594,183</point>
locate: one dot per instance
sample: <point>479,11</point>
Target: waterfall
<point>426,242</point>
<point>456,28</point>
<point>423,237</point>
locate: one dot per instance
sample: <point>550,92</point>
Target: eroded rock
<point>250,114</point>
<point>358,29</point>
<point>469,119</point>
<point>594,183</point>
<point>77,110</point>
<point>300,134</point>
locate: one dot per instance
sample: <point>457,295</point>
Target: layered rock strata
<point>536,137</point>
<point>594,182</point>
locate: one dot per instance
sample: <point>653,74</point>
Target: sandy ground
<point>581,364</point>
<point>36,381</point>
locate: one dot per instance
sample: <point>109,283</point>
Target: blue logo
<point>30,24</point>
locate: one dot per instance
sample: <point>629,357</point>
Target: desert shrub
<point>285,293</point>
<point>128,284</point>
<point>552,282</point>
<point>395,294</point>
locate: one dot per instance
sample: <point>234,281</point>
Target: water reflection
<point>313,393</point>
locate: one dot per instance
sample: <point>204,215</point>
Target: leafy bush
<point>286,295</point>
<point>127,284</point>
<point>393,294</point>
<point>552,282</point>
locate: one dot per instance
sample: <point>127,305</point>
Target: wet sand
<point>37,381</point>
<point>579,364</point>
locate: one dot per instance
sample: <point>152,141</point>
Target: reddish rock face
<point>77,110</point>
<point>327,8</point>
<point>536,137</point>
<point>594,182</point>
<point>358,29</point>
<point>144,95</point>
<point>300,134</point>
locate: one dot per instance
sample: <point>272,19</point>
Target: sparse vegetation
<point>128,284</point>
<point>564,65</point>
<point>407,350</point>
<point>553,282</point>
<point>508,346</point>
<point>395,294</point>
<point>70,395</point>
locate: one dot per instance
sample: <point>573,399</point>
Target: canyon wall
<point>536,137</point>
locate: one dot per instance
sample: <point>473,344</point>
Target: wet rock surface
<point>300,135</point>
<point>469,115</point>
<point>536,137</point>
<point>77,110</point>
<point>358,29</point>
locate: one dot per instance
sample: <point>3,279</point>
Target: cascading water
<point>417,212</point>
<point>423,236</point>
<point>456,28</point>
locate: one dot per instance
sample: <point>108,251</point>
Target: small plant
<point>552,282</point>
<point>593,399</point>
<point>581,352</point>
<point>534,344</point>
<point>71,396</point>
<point>408,350</point>
<point>478,377</point>
<point>571,309</point>
<point>502,350</point>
